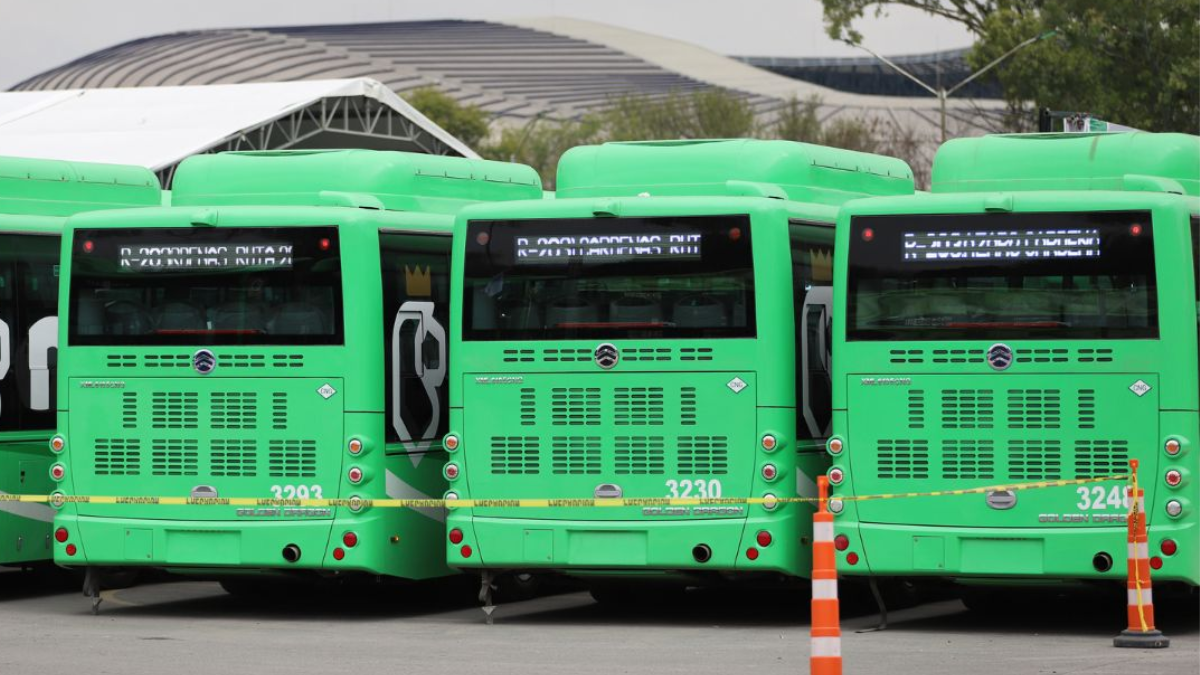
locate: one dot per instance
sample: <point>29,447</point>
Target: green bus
<point>36,196</point>
<point>659,329</point>
<point>1032,319</point>
<point>279,332</point>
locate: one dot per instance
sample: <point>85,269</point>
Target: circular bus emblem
<point>1000,356</point>
<point>204,362</point>
<point>606,355</point>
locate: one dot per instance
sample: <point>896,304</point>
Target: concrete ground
<point>194,627</point>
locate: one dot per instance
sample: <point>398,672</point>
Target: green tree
<point>797,121</point>
<point>540,143</point>
<point>467,123</point>
<point>840,15</point>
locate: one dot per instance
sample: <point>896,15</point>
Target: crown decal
<point>822,266</point>
<point>417,283</point>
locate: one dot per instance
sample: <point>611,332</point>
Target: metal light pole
<point>941,92</point>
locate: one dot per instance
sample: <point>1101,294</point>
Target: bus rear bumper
<point>203,545</point>
<point>584,546</point>
<point>1029,553</point>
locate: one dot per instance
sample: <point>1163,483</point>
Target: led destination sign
<point>603,248</point>
<point>1001,245</point>
<point>150,257</point>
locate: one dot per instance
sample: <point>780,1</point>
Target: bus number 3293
<point>697,489</point>
<point>296,491</point>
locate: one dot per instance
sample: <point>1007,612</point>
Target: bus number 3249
<point>698,489</point>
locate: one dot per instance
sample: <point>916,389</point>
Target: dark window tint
<point>634,278</point>
<point>28,331</point>
<point>812,278</point>
<point>213,286</point>
<point>416,312</point>
<point>1002,276</point>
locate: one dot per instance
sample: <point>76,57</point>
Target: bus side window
<point>812,283</point>
<point>416,309</point>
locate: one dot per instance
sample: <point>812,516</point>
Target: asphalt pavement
<point>185,627</point>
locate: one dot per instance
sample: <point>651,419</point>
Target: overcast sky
<point>36,35</point>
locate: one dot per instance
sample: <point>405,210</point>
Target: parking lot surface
<point>195,627</point>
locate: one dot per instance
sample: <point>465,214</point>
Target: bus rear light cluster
<point>355,475</point>
<point>450,496</point>
<point>58,444</point>
<point>763,538</point>
<point>1173,446</point>
<point>1174,478</point>
<point>451,471</point>
<point>841,542</point>
<point>835,446</point>
<point>770,472</point>
<point>355,446</point>
<point>350,540</point>
<point>752,554</point>
<point>450,442</point>
<point>456,536</point>
<point>836,506</point>
<point>770,502</point>
<point>769,442</point>
<point>61,535</point>
<point>1168,547</point>
<point>836,476</point>
<point>1174,508</point>
<point>58,472</point>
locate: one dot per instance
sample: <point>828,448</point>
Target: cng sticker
<point>1140,388</point>
<point>326,391</point>
<point>737,384</point>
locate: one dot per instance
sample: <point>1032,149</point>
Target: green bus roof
<point>397,181</point>
<point>47,187</point>
<point>743,167</point>
<point>1102,161</point>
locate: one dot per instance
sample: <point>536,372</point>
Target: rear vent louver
<point>279,410</point>
<point>243,361</point>
<point>703,455</point>
<point>1095,355</point>
<point>122,361</point>
<point>174,410</point>
<point>1034,460</point>
<point>566,355</point>
<point>129,410</point>
<point>647,354</point>
<point>696,354</point>
<point>907,355</point>
<point>1099,458</point>
<point>174,458</point>
<point>1034,408</point>
<point>117,457</point>
<point>575,455</point>
<point>968,409</point>
<point>287,360</point>
<point>516,455</point>
<point>905,459</point>
<point>1042,356</point>
<point>1087,408</point>
<point>518,355</point>
<point>292,459</point>
<point>575,406</point>
<point>958,356</point>
<point>638,406</point>
<point>528,407</point>
<point>916,409</point>
<point>687,406</point>
<point>969,460</point>
<point>234,410</point>
<point>234,458</point>
<point>640,455</point>
<point>166,361</point>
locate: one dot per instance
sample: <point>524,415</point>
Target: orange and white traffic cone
<point>826,634</point>
<point>1141,632</point>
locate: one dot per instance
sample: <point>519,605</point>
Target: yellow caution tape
<point>356,503</point>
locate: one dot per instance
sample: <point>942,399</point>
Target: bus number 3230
<point>697,489</point>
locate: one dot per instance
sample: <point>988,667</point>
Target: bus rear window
<point>641,278</point>
<point>1002,276</point>
<point>213,286</point>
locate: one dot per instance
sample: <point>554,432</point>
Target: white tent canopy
<point>157,127</point>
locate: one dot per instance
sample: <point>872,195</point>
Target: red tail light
<point>338,554</point>
<point>1168,547</point>
<point>852,558</point>
<point>769,472</point>
<point>355,475</point>
<point>841,542</point>
<point>71,550</point>
<point>350,540</point>
<point>836,476</point>
<point>763,538</point>
<point>456,536</point>
<point>1172,447</point>
<point>1174,478</point>
<point>61,535</point>
<point>466,551</point>
<point>1156,563</point>
<point>769,442</point>
<point>752,553</point>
